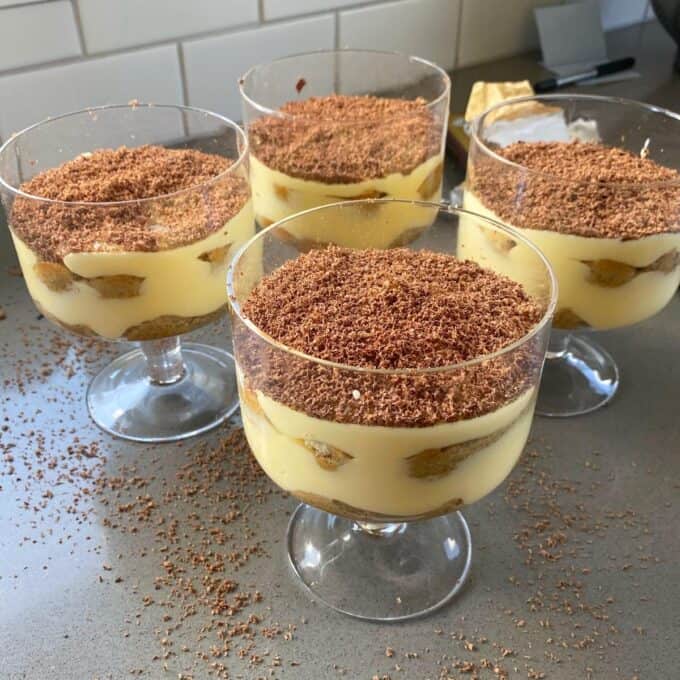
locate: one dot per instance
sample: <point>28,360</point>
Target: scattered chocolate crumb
<point>299,86</point>
<point>341,139</point>
<point>582,188</point>
<point>3,314</point>
<point>193,520</point>
<point>65,224</point>
<point>388,309</point>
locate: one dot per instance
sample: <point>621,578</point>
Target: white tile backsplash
<point>42,69</point>
<point>115,24</point>
<point>151,75</point>
<point>278,9</point>
<point>9,3</point>
<point>492,29</point>
<point>424,28</point>
<point>214,65</point>
<point>37,33</point>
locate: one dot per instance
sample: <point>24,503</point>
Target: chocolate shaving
<point>342,139</point>
<point>388,309</point>
<point>54,230</point>
<point>588,189</point>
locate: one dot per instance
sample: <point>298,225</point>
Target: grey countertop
<point>120,560</point>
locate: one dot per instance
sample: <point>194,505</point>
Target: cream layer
<point>175,282</point>
<point>380,476</point>
<point>277,195</point>
<point>611,304</point>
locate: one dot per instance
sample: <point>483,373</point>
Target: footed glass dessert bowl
<point>123,219</point>
<point>340,125</point>
<point>386,388</point>
<point>594,182</point>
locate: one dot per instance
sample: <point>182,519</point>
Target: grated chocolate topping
<point>388,309</point>
<point>54,230</point>
<point>340,139</point>
<point>588,189</point>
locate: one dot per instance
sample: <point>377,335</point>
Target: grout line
<point>66,61</point>
<point>44,65</point>
<point>336,60</point>
<point>336,30</point>
<point>92,56</point>
<point>182,74</point>
<point>336,10</point>
<point>89,56</point>
<point>459,35</point>
<point>25,4</point>
<point>79,26</point>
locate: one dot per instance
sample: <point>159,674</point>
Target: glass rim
<point>17,192</point>
<point>444,206</point>
<point>545,98</point>
<point>388,53</point>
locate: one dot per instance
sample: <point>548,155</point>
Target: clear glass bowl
<point>340,153</point>
<point>604,282</point>
<point>118,292</point>
<point>379,535</point>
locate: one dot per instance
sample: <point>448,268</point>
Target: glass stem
<point>558,345</point>
<point>379,529</point>
<point>164,360</point>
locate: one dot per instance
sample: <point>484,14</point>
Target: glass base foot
<point>379,572</point>
<point>579,377</point>
<point>124,402</point>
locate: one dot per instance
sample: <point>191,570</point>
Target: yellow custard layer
<point>592,286</point>
<point>276,196</point>
<point>379,469</point>
<point>179,282</point>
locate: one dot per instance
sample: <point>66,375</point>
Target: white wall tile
<point>151,75</point>
<point>619,13</point>
<point>114,24</point>
<point>277,9</point>
<point>423,28</point>
<point>492,29</point>
<point>37,33</point>
<point>8,3</point>
<point>214,65</point>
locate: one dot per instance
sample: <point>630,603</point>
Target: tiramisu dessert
<point>131,243</point>
<point>608,221</point>
<point>337,148</point>
<point>382,419</point>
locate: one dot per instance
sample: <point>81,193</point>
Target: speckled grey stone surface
<point>599,598</point>
<point>615,472</point>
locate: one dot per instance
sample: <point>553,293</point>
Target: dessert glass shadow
<point>123,219</point>
<point>594,183</point>
<point>384,458</point>
<point>339,125</point>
